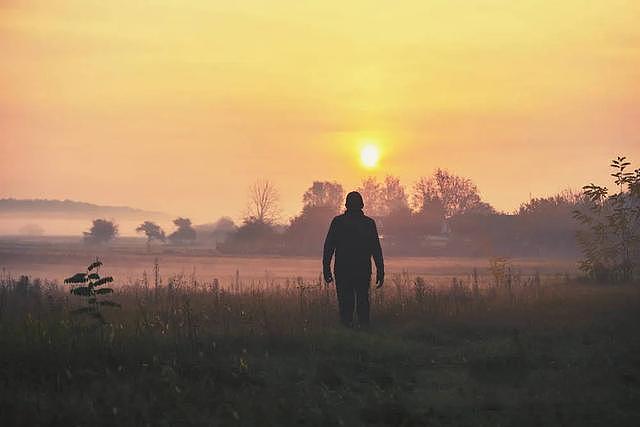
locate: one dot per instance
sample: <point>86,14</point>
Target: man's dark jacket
<point>354,239</point>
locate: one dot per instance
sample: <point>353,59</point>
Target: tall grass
<point>498,349</point>
<point>268,307</point>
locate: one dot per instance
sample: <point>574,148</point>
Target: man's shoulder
<point>345,217</point>
<point>369,220</point>
<point>338,218</point>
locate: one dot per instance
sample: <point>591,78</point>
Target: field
<point>508,346</point>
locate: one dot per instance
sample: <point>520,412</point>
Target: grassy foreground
<point>514,353</point>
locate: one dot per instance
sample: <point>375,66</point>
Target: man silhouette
<point>353,237</point>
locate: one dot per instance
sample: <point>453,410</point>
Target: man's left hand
<point>328,277</point>
<point>379,279</point>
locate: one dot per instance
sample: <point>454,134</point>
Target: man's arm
<point>376,252</point>
<point>329,249</point>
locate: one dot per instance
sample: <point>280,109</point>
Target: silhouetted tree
<point>263,202</point>
<point>545,224</point>
<point>398,226</point>
<point>321,202</point>
<point>544,205</point>
<point>394,198</point>
<point>216,232</point>
<point>102,231</point>
<point>185,234</point>
<point>450,193</point>
<point>306,232</point>
<point>482,232</point>
<point>223,227</point>
<point>430,219</point>
<point>153,232</point>
<point>371,191</point>
<point>252,237</point>
<point>324,194</point>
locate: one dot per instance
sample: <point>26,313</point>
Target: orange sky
<point>179,105</point>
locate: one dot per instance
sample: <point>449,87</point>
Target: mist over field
<point>43,217</point>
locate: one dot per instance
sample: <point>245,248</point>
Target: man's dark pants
<point>353,292</point>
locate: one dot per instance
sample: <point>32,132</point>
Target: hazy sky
<point>179,105</point>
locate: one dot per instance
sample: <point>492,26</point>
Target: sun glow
<point>370,156</point>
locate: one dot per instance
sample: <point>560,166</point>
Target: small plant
<point>420,289</point>
<point>476,284</point>
<point>88,285</point>
<point>500,267</point>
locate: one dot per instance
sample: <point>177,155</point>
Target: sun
<point>370,156</point>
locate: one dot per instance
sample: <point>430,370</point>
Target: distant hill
<point>44,208</point>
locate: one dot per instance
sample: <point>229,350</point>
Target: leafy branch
<point>89,285</point>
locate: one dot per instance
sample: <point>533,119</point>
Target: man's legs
<point>362,300</point>
<point>346,300</point>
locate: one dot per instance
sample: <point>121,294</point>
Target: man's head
<point>354,201</point>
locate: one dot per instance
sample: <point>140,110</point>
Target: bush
<point>610,234</point>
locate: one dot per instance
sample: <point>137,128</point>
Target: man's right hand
<point>328,277</point>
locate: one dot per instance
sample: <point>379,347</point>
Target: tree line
<point>440,214</point>
<point>443,214</point>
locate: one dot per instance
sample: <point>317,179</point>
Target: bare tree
<point>264,202</point>
<point>452,193</point>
